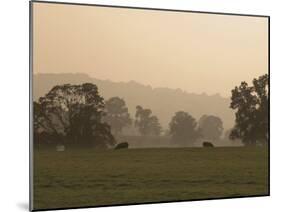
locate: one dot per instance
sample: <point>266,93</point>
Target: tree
<point>251,117</point>
<point>72,114</point>
<point>183,129</point>
<point>211,127</point>
<point>147,123</point>
<point>117,115</point>
<point>45,132</point>
<point>226,138</point>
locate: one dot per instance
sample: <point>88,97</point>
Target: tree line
<point>77,115</point>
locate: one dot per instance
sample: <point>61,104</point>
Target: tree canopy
<point>183,129</point>
<point>211,127</point>
<point>73,114</point>
<point>251,117</point>
<point>147,123</point>
<point>117,115</point>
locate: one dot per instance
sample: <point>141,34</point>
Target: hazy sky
<point>195,52</point>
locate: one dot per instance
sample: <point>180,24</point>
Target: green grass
<point>76,178</point>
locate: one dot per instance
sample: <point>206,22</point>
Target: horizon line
<point>137,82</point>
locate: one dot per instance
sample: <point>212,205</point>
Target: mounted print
<point>140,105</point>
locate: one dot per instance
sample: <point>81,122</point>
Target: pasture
<point>107,177</point>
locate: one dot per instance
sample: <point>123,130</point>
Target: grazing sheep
<point>207,144</point>
<point>123,145</point>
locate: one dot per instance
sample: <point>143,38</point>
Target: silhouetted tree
<point>146,123</point>
<point>117,115</point>
<point>227,139</point>
<point>44,131</point>
<point>72,114</point>
<point>251,117</point>
<point>211,127</point>
<point>183,129</point>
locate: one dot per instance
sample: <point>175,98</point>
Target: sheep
<point>207,144</point>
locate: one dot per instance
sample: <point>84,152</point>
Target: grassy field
<point>90,178</point>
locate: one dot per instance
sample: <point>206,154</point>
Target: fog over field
<point>164,102</point>
<point>163,61</point>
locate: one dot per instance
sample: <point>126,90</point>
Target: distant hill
<point>163,102</point>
